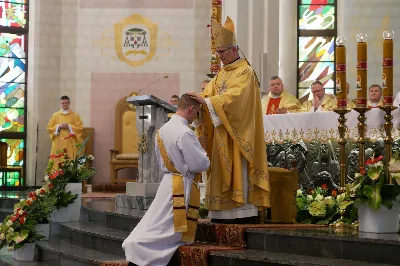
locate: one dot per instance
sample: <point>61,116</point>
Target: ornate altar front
<point>311,139</point>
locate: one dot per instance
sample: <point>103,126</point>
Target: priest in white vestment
<point>171,219</point>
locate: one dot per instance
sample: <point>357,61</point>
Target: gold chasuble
<point>65,138</point>
<point>328,104</point>
<point>269,104</point>
<point>235,96</point>
<point>184,222</point>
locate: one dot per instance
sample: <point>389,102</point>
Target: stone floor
<point>96,240</point>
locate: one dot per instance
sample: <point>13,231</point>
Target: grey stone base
<point>133,202</point>
<point>142,189</point>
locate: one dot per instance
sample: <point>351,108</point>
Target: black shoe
<point>132,264</point>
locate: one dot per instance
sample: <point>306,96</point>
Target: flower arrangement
<point>370,183</point>
<point>62,170</point>
<point>19,227</point>
<point>320,205</point>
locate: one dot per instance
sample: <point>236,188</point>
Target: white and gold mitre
<point>223,35</point>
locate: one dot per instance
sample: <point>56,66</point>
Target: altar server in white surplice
<point>171,219</point>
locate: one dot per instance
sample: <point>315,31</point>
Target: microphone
<point>164,77</point>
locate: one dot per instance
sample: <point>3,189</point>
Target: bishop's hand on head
<point>197,97</point>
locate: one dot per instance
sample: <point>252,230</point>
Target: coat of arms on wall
<point>136,41</point>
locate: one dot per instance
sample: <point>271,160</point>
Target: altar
<point>311,139</point>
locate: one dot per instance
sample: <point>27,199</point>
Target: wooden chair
<point>126,140</point>
<point>284,184</point>
<point>4,168</point>
<point>88,131</point>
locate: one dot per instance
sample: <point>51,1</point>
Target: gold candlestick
<point>388,126</point>
<point>215,62</point>
<point>340,224</point>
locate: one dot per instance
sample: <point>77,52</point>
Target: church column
<point>288,44</point>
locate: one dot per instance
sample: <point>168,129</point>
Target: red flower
<point>14,218</point>
<point>69,136</point>
<point>42,191</point>
<point>372,161</point>
<point>51,186</point>
<point>324,186</point>
<point>22,220</point>
<point>60,172</point>
<point>310,191</point>
<point>362,170</point>
<point>32,194</point>
<point>334,193</point>
<point>55,156</point>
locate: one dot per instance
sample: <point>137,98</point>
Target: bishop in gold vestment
<point>233,135</point>
<point>65,130</point>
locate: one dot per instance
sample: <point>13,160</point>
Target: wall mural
<point>135,41</point>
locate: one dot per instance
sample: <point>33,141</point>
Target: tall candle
<point>362,80</point>
<point>341,88</point>
<point>387,64</point>
<point>215,64</point>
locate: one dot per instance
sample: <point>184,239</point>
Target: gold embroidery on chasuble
<point>184,222</point>
<point>239,137</point>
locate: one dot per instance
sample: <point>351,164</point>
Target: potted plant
<point>376,200</point>
<point>67,176</point>
<point>321,206</point>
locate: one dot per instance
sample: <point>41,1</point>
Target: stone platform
<point>133,202</point>
<point>97,238</point>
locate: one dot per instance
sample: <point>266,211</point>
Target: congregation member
<point>375,96</point>
<point>350,103</point>
<point>174,100</point>
<point>321,101</point>
<point>171,220</point>
<point>65,130</point>
<point>278,101</point>
<point>238,182</point>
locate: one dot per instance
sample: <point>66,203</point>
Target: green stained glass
<point>12,119</point>
<point>13,14</point>
<point>316,17</point>
<point>13,45</point>
<point>317,2</point>
<point>12,95</point>
<point>316,49</point>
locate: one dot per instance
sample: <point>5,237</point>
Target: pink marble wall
<point>136,3</point>
<point>106,90</point>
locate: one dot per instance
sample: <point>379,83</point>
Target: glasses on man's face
<point>223,51</point>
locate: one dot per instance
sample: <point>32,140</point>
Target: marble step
<point>351,245</point>
<point>61,252</point>
<point>7,260</point>
<point>251,257</point>
<point>123,219</point>
<point>4,212</point>
<point>89,235</point>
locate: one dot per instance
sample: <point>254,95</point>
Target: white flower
<point>341,197</point>
<point>310,198</point>
<point>380,163</point>
<point>10,248</point>
<point>299,193</point>
<point>90,157</point>
<point>37,191</point>
<point>319,197</point>
<point>2,236</point>
<point>10,230</point>
<point>9,223</point>
<point>330,201</point>
<point>1,224</point>
<point>21,200</point>
<point>46,178</point>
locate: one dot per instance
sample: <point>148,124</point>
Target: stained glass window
<point>13,55</point>
<point>316,45</point>
<point>13,13</point>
